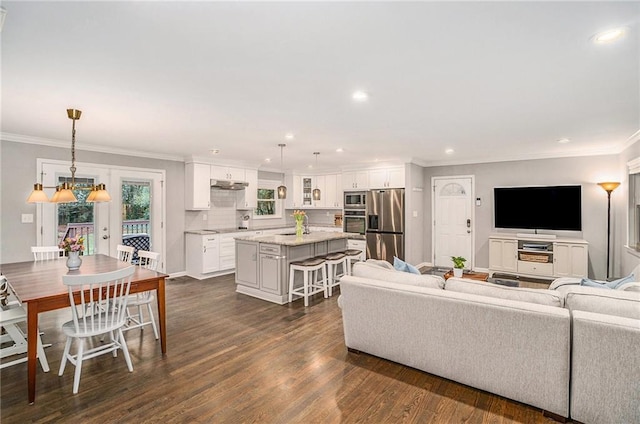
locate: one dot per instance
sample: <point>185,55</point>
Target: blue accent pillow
<point>607,285</point>
<point>401,265</point>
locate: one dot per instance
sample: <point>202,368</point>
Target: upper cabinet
<point>198,178</point>
<point>355,180</point>
<point>197,194</point>
<point>248,198</point>
<point>227,173</point>
<point>387,178</point>
<point>300,191</point>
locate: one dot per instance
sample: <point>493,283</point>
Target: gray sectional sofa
<point>517,343</point>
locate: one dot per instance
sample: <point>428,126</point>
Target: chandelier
<point>64,192</point>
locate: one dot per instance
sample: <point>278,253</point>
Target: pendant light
<point>316,191</point>
<point>282,190</point>
<point>64,192</point>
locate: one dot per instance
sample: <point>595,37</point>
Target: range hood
<point>228,185</point>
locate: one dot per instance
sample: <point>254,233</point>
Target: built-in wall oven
<point>355,221</point>
<point>355,200</point>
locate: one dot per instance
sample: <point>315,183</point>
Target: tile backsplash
<point>223,215</point>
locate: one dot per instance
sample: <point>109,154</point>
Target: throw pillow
<point>401,265</point>
<point>607,285</point>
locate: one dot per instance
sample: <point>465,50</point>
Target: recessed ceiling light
<point>339,150</point>
<point>360,96</point>
<point>609,36</point>
<point>215,151</point>
<point>289,136</point>
<point>564,141</point>
<point>267,160</point>
<point>449,151</point>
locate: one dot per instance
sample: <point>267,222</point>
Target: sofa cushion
<point>610,302</point>
<point>376,272</point>
<point>539,296</point>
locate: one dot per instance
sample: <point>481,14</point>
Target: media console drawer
<point>535,268</point>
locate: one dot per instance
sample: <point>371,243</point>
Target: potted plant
<point>458,265</point>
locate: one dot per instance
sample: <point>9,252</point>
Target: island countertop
<point>292,240</point>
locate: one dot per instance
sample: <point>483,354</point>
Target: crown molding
<point>17,138</point>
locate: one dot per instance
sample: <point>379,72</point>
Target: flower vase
<point>74,261</point>
<point>457,272</point>
<point>299,229</point>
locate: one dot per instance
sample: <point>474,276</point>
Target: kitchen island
<point>262,262</point>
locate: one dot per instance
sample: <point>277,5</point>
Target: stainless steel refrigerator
<point>385,224</point>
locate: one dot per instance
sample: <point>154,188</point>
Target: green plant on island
<point>458,262</point>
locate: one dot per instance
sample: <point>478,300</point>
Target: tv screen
<point>540,208</point>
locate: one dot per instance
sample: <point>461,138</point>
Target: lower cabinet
<point>271,268</point>
<point>202,254</point>
<point>247,271</point>
<point>538,257</point>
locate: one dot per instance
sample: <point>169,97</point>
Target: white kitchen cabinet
<point>230,173</point>
<point>503,255</point>
<point>202,254</point>
<point>355,180</point>
<point>570,259</point>
<point>386,178</point>
<point>248,198</point>
<point>228,251</point>
<point>197,186</point>
<point>294,191</point>
<point>332,193</point>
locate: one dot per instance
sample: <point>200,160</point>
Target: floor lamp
<point>608,187</point>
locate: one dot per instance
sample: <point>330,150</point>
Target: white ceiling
<point>491,80</point>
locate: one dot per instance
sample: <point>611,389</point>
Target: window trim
<point>269,185</point>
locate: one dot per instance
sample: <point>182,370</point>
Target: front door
<point>453,220</point>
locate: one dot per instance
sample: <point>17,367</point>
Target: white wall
<point>586,171</point>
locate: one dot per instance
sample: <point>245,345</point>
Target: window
<point>268,204</point>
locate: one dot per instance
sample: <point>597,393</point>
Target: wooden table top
<point>479,276</point>
<point>39,280</point>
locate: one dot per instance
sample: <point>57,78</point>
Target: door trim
<point>472,261</point>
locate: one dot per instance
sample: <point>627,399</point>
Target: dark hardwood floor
<point>235,359</point>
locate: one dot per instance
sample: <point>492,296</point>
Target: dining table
<point>38,285</point>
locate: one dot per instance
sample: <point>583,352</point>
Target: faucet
<point>306,224</point>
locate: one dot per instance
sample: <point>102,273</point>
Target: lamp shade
<point>282,192</point>
<point>316,194</point>
<point>37,195</point>
<point>99,194</point>
<point>609,186</point>
<point>65,195</point>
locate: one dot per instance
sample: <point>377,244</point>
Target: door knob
<point>104,237</point>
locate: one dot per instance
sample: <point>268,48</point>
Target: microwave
<point>355,199</point>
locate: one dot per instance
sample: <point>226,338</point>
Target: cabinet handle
<point>204,249</point>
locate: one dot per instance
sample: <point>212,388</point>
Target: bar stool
<point>332,260</point>
<point>353,255</point>
<point>310,285</point>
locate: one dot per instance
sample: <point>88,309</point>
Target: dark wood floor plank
<point>235,359</point>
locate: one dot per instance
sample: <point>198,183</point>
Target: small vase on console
<point>74,261</point>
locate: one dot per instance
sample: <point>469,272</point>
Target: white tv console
<point>534,256</point>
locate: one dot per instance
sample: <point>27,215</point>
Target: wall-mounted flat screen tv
<point>539,207</point>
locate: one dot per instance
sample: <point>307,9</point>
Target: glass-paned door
<point>77,219</point>
<point>136,215</point>
<point>59,220</point>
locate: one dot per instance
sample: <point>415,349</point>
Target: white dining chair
<point>13,341</point>
<point>45,253</point>
<point>125,253</point>
<point>150,261</point>
<point>111,291</point>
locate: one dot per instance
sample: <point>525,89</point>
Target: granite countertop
<point>296,241</point>
<point>237,230</point>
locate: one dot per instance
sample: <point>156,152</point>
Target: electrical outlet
<point>204,217</point>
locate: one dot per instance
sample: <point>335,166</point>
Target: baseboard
<point>177,274</point>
